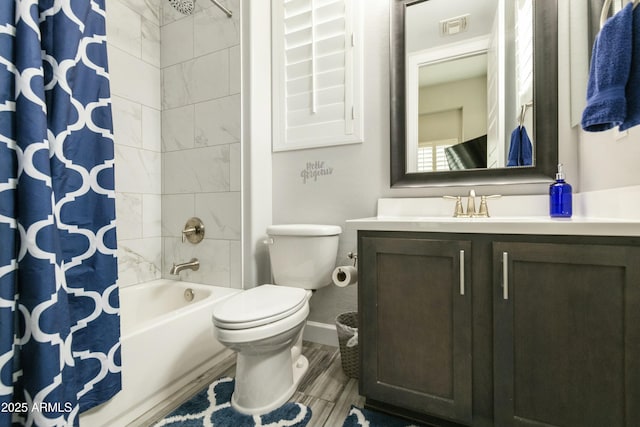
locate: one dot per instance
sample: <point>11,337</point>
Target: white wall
<point>466,96</point>
<point>608,162</point>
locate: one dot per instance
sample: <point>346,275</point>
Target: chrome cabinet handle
<point>505,275</point>
<point>462,272</point>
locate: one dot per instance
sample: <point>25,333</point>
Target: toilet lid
<point>303,230</point>
<point>258,306</point>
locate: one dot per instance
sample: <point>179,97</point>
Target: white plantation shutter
<point>432,157</point>
<point>317,84</point>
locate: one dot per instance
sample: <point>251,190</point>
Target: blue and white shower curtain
<point>59,308</point>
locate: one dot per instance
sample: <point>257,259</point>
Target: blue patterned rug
<point>367,418</point>
<point>212,408</point>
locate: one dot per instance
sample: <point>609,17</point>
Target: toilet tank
<point>303,255</point>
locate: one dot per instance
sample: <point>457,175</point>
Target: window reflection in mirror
<point>469,70</point>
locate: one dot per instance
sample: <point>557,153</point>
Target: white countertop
<point>604,213</point>
<point>501,225</point>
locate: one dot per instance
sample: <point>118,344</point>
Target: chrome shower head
<point>186,6</point>
<point>183,6</point>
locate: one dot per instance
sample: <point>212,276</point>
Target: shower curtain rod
<point>224,9</point>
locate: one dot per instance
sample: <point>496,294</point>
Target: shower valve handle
<point>193,231</point>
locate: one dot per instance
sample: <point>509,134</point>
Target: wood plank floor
<point>324,388</point>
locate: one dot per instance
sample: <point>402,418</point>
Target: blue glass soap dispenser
<point>560,197</point>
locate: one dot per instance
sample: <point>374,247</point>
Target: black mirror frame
<point>545,109</point>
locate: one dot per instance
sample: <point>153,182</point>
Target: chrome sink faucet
<point>471,203</point>
<point>483,211</point>
<point>194,265</point>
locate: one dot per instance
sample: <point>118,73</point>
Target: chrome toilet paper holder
<point>354,257</point>
<point>345,275</point>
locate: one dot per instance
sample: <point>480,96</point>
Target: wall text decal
<point>313,170</point>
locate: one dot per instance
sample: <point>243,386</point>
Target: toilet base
<point>254,393</point>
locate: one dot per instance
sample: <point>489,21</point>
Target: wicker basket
<point>347,327</point>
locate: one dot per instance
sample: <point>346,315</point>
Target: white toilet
<point>264,324</point>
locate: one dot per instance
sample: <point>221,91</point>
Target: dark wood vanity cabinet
<point>567,335</point>
<point>530,331</point>
<point>416,348</point>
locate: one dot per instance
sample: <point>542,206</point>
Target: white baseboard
<point>321,333</point>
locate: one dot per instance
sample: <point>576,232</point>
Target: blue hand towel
<point>610,66</point>
<point>526,155</point>
<point>633,84</point>
<point>513,159</point>
<point>520,148</point>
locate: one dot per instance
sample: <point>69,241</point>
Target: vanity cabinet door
<point>414,300</point>
<point>566,335</point>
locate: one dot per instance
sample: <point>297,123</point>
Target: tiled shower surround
<point>175,83</point>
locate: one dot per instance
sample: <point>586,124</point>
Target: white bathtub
<point>167,342</point>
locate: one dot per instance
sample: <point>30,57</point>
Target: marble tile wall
<point>200,64</point>
<point>133,34</point>
<point>175,84</point>
<point>176,118</point>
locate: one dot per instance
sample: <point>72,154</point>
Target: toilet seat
<point>258,306</point>
<point>264,333</point>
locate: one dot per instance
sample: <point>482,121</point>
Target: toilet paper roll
<point>345,275</point>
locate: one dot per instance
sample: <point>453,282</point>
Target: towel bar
<point>604,14</point>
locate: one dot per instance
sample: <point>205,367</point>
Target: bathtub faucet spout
<point>194,265</point>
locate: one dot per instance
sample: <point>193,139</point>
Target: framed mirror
<point>474,92</point>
